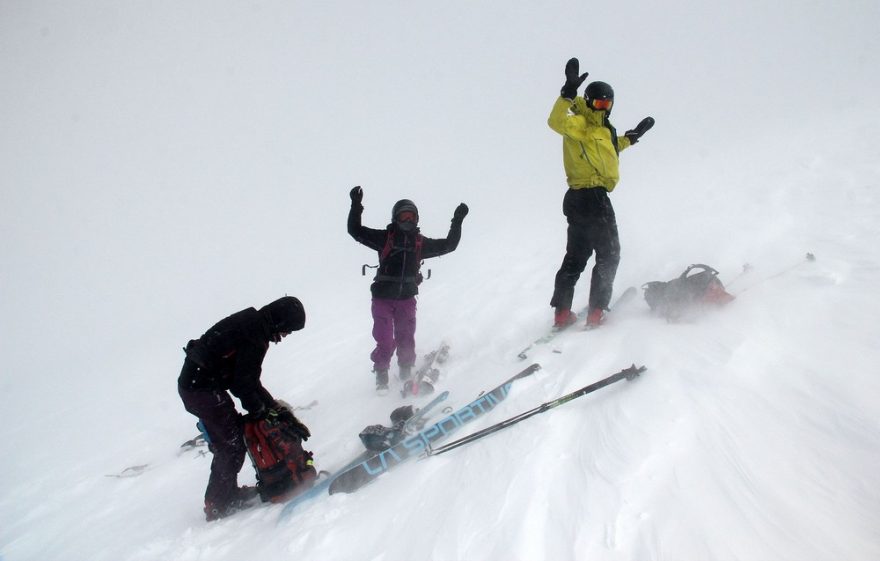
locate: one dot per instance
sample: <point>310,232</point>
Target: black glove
<point>356,194</point>
<point>460,212</point>
<point>401,414</point>
<point>298,428</point>
<point>572,80</point>
<point>644,126</point>
<point>281,415</point>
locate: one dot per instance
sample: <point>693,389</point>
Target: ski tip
<point>633,371</point>
<point>534,367</point>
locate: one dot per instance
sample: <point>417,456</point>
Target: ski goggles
<point>407,216</point>
<point>601,104</point>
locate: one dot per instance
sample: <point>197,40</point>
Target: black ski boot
<point>381,381</point>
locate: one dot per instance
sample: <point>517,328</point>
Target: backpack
<point>390,249</point>
<point>283,467</point>
<point>671,299</point>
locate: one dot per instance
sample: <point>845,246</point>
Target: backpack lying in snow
<point>283,467</point>
<point>672,299</point>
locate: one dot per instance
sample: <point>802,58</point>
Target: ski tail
<point>323,483</point>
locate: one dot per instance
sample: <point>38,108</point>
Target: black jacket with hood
<point>229,356</point>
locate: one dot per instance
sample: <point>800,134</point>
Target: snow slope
<point>166,165</point>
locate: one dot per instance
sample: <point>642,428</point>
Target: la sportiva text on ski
<point>368,470</point>
<point>404,421</point>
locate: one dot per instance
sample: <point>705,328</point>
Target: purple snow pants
<point>223,424</point>
<point>394,327</point>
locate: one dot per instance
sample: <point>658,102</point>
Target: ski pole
<point>628,373</point>
<point>808,258</point>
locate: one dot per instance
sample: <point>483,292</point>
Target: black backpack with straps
<point>390,249</point>
<point>671,299</point>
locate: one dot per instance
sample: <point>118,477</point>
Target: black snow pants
<point>592,226</point>
<point>225,430</point>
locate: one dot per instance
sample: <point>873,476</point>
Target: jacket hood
<point>284,315</point>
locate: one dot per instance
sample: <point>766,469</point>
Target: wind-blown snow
<point>164,165</point>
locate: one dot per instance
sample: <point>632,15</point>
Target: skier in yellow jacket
<point>590,148</point>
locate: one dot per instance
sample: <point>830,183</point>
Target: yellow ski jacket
<point>588,152</point>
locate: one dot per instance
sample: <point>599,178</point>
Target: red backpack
<point>283,467</point>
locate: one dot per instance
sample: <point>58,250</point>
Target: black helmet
<point>405,205</point>
<point>599,97</point>
<point>285,315</point>
<point>598,90</point>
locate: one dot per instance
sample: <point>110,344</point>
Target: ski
<point>131,471</point>
<point>627,295</point>
<point>355,477</point>
<point>410,426</point>
<point>194,443</point>
<point>426,376</point>
<point>630,374</point>
<point>198,443</point>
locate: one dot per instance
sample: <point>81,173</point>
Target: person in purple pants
<point>401,248</point>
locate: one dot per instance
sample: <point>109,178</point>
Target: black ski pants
<point>225,430</point>
<point>592,226</point>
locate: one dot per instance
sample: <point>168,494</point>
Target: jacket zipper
<point>584,154</point>
<point>599,151</point>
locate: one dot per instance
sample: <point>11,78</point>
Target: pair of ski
<point>425,377</point>
<point>627,295</point>
<point>370,465</point>
<point>326,479</point>
<point>423,381</point>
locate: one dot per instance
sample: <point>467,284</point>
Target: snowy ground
<point>163,167</point>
